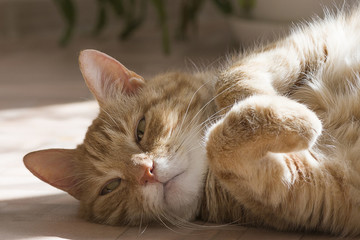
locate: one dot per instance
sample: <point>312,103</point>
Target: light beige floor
<point>31,209</point>
<point>44,103</point>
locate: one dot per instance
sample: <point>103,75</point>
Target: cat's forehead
<point>163,101</point>
<point>164,91</point>
<point>171,84</point>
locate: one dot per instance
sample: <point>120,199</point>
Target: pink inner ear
<point>55,167</point>
<point>105,76</point>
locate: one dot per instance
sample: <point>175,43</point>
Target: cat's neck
<point>218,206</point>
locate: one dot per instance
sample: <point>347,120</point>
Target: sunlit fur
<point>284,154</point>
<point>174,108</point>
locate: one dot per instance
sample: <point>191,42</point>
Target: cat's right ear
<point>106,77</point>
<point>55,167</point>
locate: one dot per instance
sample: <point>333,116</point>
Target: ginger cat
<point>272,138</point>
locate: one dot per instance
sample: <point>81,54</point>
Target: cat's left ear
<point>106,77</point>
<point>55,167</point>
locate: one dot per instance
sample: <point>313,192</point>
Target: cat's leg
<point>262,153</point>
<point>261,125</point>
<point>277,69</point>
<point>247,149</point>
<point>261,150</point>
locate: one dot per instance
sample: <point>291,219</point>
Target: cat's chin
<point>178,200</point>
<point>178,194</point>
<point>171,197</point>
<point>180,182</point>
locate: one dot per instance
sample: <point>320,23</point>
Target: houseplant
<point>132,14</point>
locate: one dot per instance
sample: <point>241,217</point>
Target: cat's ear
<point>55,167</point>
<point>105,76</point>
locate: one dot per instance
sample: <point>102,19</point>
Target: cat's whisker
<point>159,217</point>
<point>205,105</point>
<point>141,220</point>
<point>181,223</point>
<point>195,67</point>
<point>183,131</point>
<point>105,121</point>
<point>199,227</point>
<point>114,214</point>
<point>213,117</point>
<point>189,104</point>
<point>183,135</point>
<point>211,100</point>
<point>195,130</point>
<point>177,222</point>
<point>187,137</point>
<point>215,61</point>
<point>141,232</point>
<point>111,118</point>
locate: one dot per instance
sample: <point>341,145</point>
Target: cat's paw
<point>262,124</point>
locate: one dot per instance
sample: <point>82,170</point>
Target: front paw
<point>266,124</point>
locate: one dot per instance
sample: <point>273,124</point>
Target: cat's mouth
<point>168,182</point>
<point>177,186</point>
<point>162,178</point>
<point>169,185</point>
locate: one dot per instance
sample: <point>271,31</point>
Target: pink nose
<point>148,176</point>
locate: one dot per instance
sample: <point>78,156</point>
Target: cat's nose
<point>148,176</point>
<point>144,169</point>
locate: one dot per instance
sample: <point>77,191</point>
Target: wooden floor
<point>44,103</point>
<point>31,209</point>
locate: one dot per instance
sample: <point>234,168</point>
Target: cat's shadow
<point>55,216</point>
<point>49,216</point>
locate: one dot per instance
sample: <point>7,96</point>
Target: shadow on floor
<point>49,216</point>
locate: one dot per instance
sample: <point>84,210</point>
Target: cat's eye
<point>110,186</point>
<point>140,129</point>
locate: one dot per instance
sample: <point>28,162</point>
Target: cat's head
<point>142,157</point>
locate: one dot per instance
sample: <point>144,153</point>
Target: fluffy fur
<point>270,139</point>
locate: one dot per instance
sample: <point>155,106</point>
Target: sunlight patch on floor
<point>29,129</point>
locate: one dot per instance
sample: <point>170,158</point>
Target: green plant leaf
<point>101,17</point>
<point>160,8</point>
<point>224,5</point>
<point>247,5</point>
<point>68,11</point>
<point>188,13</point>
<point>118,6</point>
<point>129,28</point>
<point>133,18</point>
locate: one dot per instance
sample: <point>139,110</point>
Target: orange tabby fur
<point>280,125</point>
